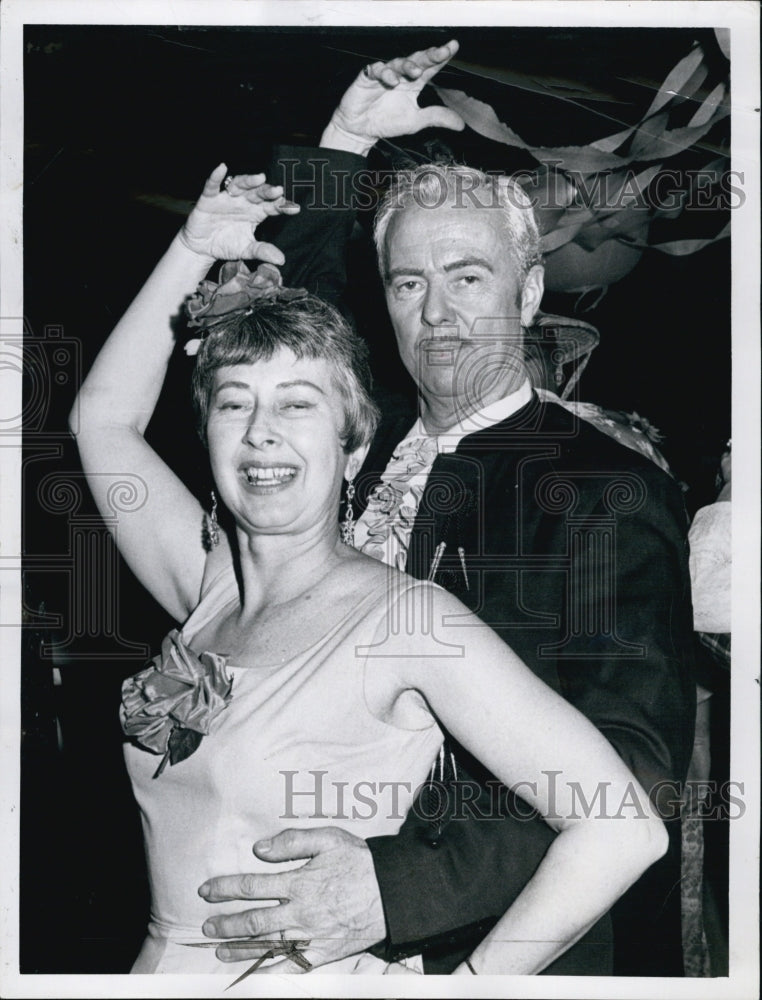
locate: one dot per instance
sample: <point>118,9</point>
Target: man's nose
<point>437,310</point>
<point>260,430</point>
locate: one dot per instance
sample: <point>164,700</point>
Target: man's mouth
<point>268,475</point>
<point>441,350</point>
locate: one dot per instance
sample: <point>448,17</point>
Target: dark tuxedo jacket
<point>575,552</point>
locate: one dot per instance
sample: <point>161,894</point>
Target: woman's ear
<point>355,460</point>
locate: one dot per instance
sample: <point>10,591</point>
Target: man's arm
<point>646,708</point>
<point>322,181</point>
<point>645,704</point>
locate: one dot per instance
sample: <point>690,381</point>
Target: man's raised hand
<point>383,102</point>
<point>223,223</point>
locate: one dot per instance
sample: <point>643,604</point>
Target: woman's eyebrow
<point>300,381</point>
<point>230,384</point>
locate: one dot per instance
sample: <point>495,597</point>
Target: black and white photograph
<point>379,443</point>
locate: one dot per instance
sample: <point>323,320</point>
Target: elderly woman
<point>304,671</point>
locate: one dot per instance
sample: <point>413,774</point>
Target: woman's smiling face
<point>274,433</point>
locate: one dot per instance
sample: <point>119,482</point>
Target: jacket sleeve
<point>441,901</point>
<point>644,703</point>
<point>440,896</point>
<point>314,242</point>
<point>636,680</point>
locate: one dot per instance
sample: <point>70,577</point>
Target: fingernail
<point>264,846</point>
<point>203,889</point>
<point>209,928</point>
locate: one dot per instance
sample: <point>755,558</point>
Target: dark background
<point>122,123</point>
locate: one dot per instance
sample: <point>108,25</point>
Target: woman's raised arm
<point>161,540</point>
<point>536,743</point>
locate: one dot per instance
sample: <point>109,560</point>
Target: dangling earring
<point>348,524</point>
<point>212,525</point>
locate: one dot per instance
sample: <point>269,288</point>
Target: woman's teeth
<point>272,474</point>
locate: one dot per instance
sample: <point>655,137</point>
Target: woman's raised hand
<point>223,223</point>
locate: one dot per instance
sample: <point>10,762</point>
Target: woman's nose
<point>260,431</point>
<point>436,307</point>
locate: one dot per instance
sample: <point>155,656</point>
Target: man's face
<point>456,303</point>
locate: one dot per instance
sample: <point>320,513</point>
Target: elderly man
<point>570,546</point>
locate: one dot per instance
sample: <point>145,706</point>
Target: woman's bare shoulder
<point>362,574</point>
<point>432,604</point>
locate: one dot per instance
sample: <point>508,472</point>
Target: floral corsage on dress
<point>170,706</point>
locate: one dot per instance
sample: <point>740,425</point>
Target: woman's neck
<point>276,569</point>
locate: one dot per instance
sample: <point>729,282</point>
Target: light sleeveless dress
<point>297,746</point>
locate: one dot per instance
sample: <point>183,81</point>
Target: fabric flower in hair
<point>235,294</point>
<point>169,707</point>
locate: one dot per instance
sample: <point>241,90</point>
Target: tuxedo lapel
<point>453,506</point>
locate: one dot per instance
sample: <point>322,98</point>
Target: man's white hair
<point>432,185</point>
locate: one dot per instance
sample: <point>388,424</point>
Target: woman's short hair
<point>308,327</point>
<point>431,185</point>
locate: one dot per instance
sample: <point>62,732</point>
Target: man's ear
<point>531,294</point>
<point>355,460</point>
